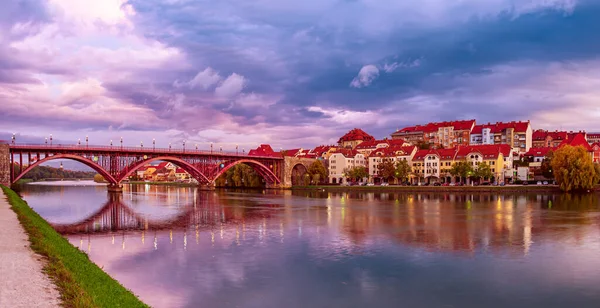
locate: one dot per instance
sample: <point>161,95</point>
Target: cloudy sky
<point>291,73</point>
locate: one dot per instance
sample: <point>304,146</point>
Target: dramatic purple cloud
<point>291,73</point>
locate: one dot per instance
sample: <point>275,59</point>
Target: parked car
<point>539,183</point>
<point>545,182</point>
<point>437,184</point>
<point>362,184</point>
<point>485,183</point>
<point>370,184</point>
<point>446,184</point>
<point>385,184</point>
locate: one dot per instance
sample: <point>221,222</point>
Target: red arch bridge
<point>117,163</point>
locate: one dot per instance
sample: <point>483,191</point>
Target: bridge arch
<point>263,170</point>
<point>107,176</point>
<point>189,168</point>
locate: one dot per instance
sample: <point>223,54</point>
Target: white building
<point>342,161</point>
<point>393,154</point>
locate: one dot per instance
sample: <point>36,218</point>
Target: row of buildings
<point>432,149</point>
<point>164,171</point>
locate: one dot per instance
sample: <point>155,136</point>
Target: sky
<point>290,73</point>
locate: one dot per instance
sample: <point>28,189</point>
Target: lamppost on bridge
<point>111,143</point>
<point>211,146</point>
<point>13,138</point>
<point>169,147</point>
<point>142,145</point>
<point>86,141</point>
<point>79,142</point>
<point>153,144</point>
<point>243,151</point>
<point>121,143</point>
<point>221,149</point>
<point>50,139</point>
<point>196,147</point>
<point>183,146</point>
<point>236,149</point>
<point>46,140</point>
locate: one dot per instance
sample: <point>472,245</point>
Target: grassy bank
<point>452,189</point>
<point>80,282</point>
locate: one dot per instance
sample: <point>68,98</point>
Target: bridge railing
<point>128,149</point>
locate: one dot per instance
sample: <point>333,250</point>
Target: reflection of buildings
<point>438,222</point>
<point>497,223</point>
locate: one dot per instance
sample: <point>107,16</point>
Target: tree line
<point>47,172</point>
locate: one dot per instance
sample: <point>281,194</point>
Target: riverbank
<point>81,283</point>
<point>23,283</point>
<point>441,189</point>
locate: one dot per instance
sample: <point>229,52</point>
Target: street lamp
<point>183,146</point>
<point>50,139</point>
<point>169,147</point>
<point>211,147</point>
<point>13,139</point>
<point>196,147</point>
<point>121,143</point>
<point>221,149</point>
<point>86,141</point>
<point>79,142</point>
<point>111,143</point>
<point>46,141</point>
<point>153,144</point>
<point>142,144</point>
<point>236,149</point>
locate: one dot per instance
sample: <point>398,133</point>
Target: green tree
<point>403,169</point>
<point>462,169</point>
<point>357,173</point>
<point>306,179</point>
<point>546,168</point>
<point>483,171</point>
<point>386,170</point>
<point>317,168</point>
<point>573,169</point>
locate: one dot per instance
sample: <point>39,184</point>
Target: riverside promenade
<point>23,282</point>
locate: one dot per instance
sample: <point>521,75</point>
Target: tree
<point>98,178</point>
<point>573,169</point>
<point>546,168</point>
<point>306,179</point>
<point>403,169</point>
<point>422,145</point>
<point>483,171</point>
<point>356,173</point>
<point>386,170</point>
<point>317,169</point>
<point>462,169</point>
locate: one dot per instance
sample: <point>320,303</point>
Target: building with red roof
<point>438,134</point>
<point>596,152</point>
<point>341,161</point>
<point>353,138</point>
<point>538,154</point>
<point>593,138</point>
<point>517,134</point>
<point>369,146</point>
<point>392,153</point>
<point>434,165</point>
<point>544,138</point>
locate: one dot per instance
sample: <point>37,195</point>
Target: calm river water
<point>180,247</point>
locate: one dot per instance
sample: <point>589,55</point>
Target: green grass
<point>81,282</point>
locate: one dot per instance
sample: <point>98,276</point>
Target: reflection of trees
<point>207,210</point>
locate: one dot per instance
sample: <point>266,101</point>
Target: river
<point>181,247</point>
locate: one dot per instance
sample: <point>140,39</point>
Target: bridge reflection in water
<point>435,222</point>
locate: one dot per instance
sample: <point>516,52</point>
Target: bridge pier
<point>207,186</point>
<point>115,188</point>
<point>5,165</point>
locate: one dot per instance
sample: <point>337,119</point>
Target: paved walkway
<point>22,282</point>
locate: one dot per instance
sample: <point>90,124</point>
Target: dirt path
<point>22,282</point>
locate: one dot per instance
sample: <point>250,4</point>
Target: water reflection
<point>180,247</point>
